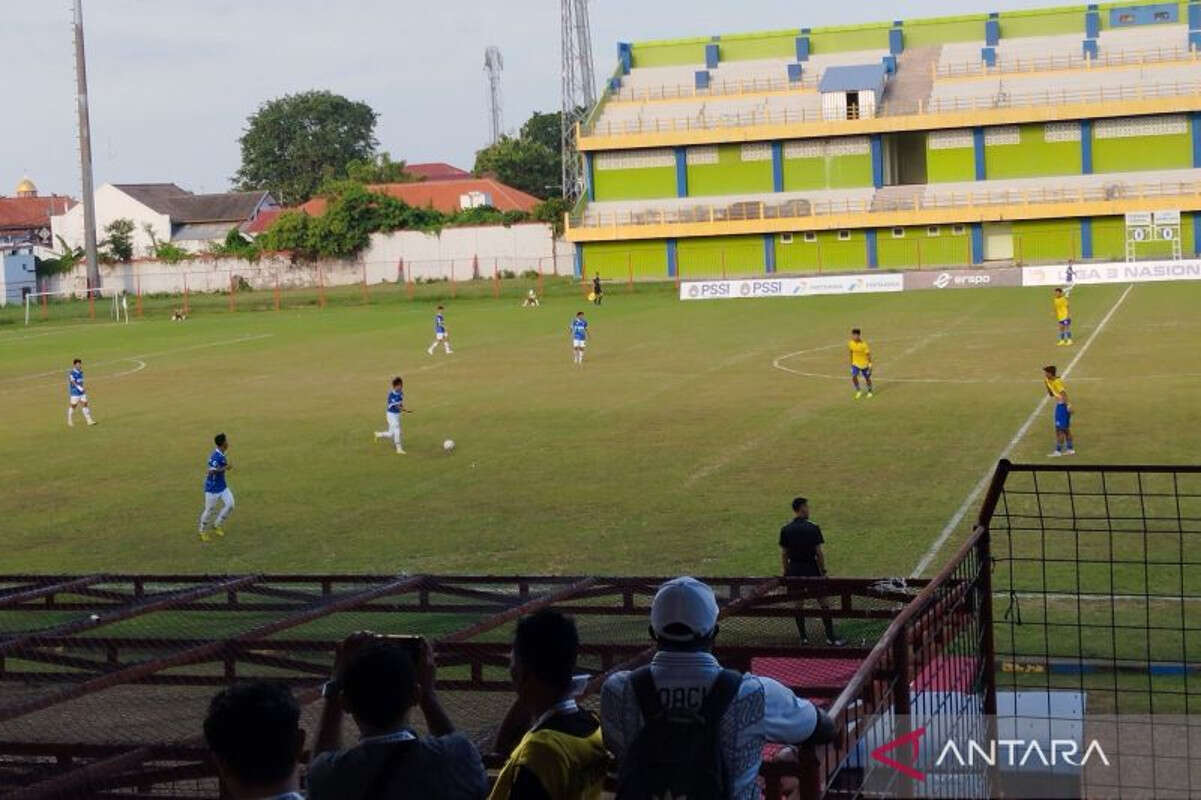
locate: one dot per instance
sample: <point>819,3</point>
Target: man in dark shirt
<point>597,291</point>
<point>801,557</point>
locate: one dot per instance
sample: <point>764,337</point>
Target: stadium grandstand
<point>1020,136</point>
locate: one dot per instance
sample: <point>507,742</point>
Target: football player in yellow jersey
<point>1063,412</point>
<point>1064,316</point>
<point>861,362</point>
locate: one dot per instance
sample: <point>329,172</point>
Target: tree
<point>294,143</point>
<point>120,239</point>
<point>380,168</point>
<point>65,260</point>
<point>522,163</point>
<point>543,128</point>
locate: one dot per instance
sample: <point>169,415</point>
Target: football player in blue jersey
<point>216,489</point>
<point>395,407</point>
<point>76,394</point>
<point>440,334</point>
<point>579,337</point>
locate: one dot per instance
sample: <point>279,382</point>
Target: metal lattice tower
<point>493,64</point>
<point>579,88</point>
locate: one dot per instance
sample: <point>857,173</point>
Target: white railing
<point>1002,99</point>
<point>722,88</point>
<point>1063,62</point>
<point>929,200</point>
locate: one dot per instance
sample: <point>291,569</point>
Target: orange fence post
<point>366,297</point>
<point>919,253</point>
<point>186,308</point>
<point>495,279</point>
<point>630,269</point>
<point>723,265</point>
<point>138,280</point>
<point>276,293</point>
<point>321,285</point>
<point>233,303</point>
<point>411,284</point>
<point>818,246</point>
<point>45,306</point>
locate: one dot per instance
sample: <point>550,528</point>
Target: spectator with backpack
<point>378,681</point>
<point>554,747</point>
<point>683,726</point>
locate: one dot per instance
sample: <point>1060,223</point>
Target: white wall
<point>449,254</point>
<point>112,204</point>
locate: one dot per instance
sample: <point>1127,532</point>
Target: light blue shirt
<point>764,710</point>
<point>579,329</point>
<point>75,383</point>
<point>395,401</point>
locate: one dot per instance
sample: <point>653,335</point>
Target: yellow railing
<point>1063,62</point>
<point>1000,100</point>
<point>929,201</point>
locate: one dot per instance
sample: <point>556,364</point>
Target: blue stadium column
<point>1197,233</point>
<point>1086,147</point>
<point>578,266</point>
<point>1196,139</point>
<point>1086,237</point>
<point>673,259</point>
<point>896,38</point>
<point>588,177</point>
<point>873,253</point>
<point>977,243</point>
<point>992,29</point>
<point>777,166</point>
<point>769,253</point>
<point>978,147</point>
<point>877,160</point>
<point>681,172</point>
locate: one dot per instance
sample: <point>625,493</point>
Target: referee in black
<point>801,557</point>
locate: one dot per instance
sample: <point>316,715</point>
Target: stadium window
<point>958,230</point>
<point>785,238</point>
<point>810,236</point>
<point>933,230</point>
<point>898,233</point>
<point>844,236</point>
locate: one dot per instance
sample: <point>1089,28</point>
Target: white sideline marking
<point>970,500</point>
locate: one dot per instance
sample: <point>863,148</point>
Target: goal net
<point>65,304</point>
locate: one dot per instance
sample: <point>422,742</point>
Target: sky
<point>171,82</point>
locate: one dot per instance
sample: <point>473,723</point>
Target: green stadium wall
<point>826,254</point>
<point>948,166</point>
<point>748,46</point>
<point>1134,153</point>
<point>916,248</point>
<point>1046,240</point>
<point>827,172</point>
<point>642,183</point>
<point>731,175</point>
<point>1033,157</point>
<point>614,260</point>
<point>713,256</point>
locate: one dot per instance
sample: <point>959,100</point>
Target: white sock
<point>70,414</point>
<point>447,346</point>
<point>87,414</point>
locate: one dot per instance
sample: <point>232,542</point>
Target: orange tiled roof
<point>31,212</point>
<point>443,195</point>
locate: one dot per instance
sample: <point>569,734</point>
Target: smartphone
<point>412,644</point>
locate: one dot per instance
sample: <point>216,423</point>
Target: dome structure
<point>26,188</point>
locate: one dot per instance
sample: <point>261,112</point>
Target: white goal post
<point>116,301</point>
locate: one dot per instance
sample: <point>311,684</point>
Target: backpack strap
<point>644,691</point>
<point>724,690</point>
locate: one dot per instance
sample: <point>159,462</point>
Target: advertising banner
<point>963,278</point>
<point>791,287</point>
<point>1113,272</point>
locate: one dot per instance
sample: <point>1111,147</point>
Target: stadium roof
<point>857,78</point>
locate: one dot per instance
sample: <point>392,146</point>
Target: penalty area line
<point>969,501</point>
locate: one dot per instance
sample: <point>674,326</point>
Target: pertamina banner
<point>791,287</point>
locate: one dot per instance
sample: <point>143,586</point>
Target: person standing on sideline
<point>1069,276</point>
<point>801,557</point>
<point>1063,412</point>
<point>216,489</point>
<point>861,362</point>
<point>440,334</point>
<point>597,291</point>
<point>396,407</point>
<point>579,337</point>
<point>1063,317</point>
<point>76,394</point>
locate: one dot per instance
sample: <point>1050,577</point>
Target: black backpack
<point>677,752</point>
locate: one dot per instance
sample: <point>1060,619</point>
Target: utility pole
<point>493,64</point>
<point>85,153</point>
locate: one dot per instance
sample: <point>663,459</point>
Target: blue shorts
<point>1063,417</point>
<point>864,371</point>
<point>1066,321</point>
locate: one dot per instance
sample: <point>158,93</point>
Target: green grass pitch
<point>676,448</point>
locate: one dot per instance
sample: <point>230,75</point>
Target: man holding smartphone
<point>378,680</point>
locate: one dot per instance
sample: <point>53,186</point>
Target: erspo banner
<point>791,287</point>
<point>963,278</point>
<point>1113,272</point>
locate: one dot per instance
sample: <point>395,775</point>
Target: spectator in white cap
<point>684,725</point>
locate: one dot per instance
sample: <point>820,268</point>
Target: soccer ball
<point>592,297</point>
<point>449,445</point>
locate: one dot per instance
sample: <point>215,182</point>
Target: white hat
<point>684,601</point>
